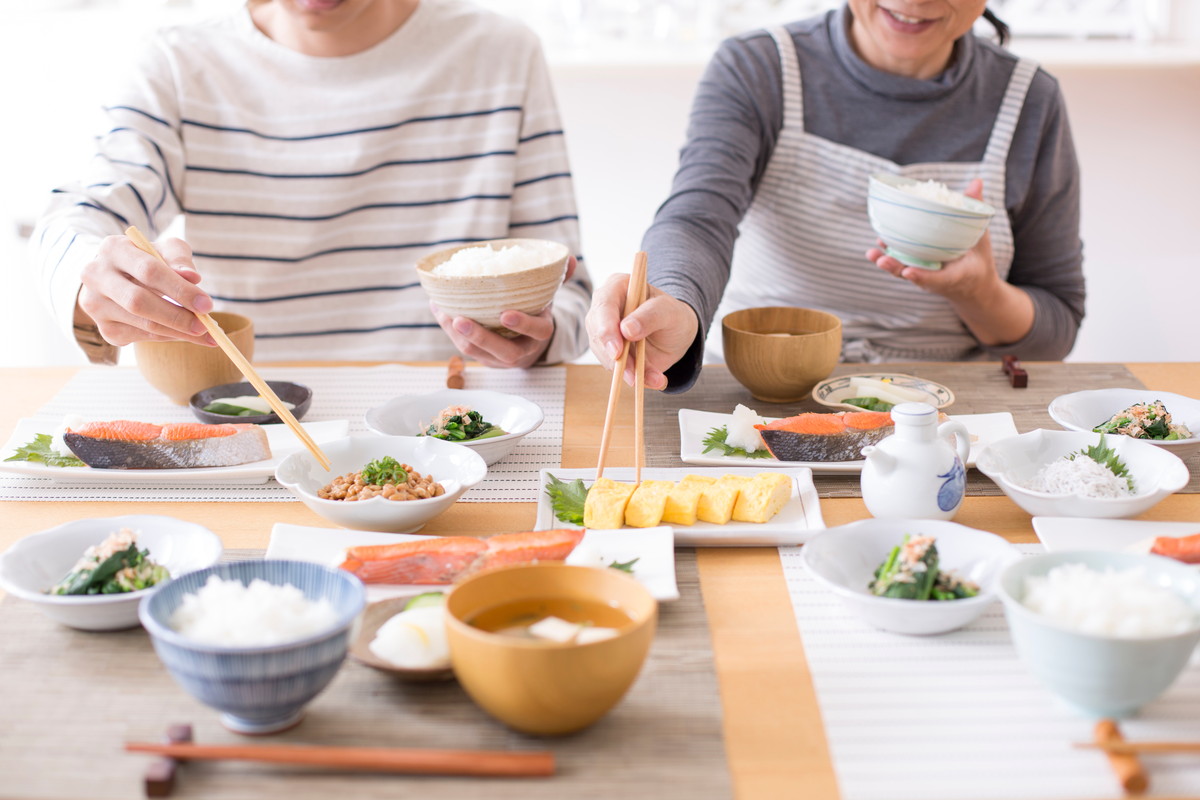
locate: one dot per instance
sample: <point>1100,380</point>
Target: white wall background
<point>1133,109</point>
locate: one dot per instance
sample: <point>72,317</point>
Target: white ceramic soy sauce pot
<point>915,473</point>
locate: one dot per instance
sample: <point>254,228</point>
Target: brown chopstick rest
<point>1017,376</point>
<point>455,377</point>
<point>160,775</point>
<point>1127,766</point>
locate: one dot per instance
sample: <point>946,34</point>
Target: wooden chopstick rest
<point>1127,766</point>
<point>455,379</point>
<point>159,779</point>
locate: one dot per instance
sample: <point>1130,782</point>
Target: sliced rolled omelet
<point>716,501</point>
<point>684,499</point>
<point>605,504</point>
<point>763,497</point>
<point>645,507</point>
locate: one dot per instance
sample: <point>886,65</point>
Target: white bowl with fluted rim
<point>1085,410</point>
<point>1014,462</point>
<point>844,560</point>
<point>483,297</point>
<point>1100,675</point>
<point>410,415</point>
<point>919,231</point>
<point>39,561</point>
<point>456,468</point>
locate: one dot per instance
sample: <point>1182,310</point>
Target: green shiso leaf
<point>716,441</point>
<point>39,451</point>
<point>567,499</point>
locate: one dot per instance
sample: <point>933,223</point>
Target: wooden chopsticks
<point>239,360</point>
<point>1125,765</point>
<point>635,295</point>
<point>479,763</point>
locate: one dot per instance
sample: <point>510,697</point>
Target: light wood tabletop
<point>774,738</point>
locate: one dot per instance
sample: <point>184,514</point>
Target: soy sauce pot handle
<point>962,438</point>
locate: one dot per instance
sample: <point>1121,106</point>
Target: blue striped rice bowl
<point>257,689</point>
<point>920,231</point>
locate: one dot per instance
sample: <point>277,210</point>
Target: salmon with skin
<point>833,437</point>
<point>446,559</point>
<point>1181,548</point>
<point>126,444</point>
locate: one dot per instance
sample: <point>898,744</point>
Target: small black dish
<point>297,394</point>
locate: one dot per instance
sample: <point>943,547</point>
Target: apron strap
<point>793,100</point>
<point>1010,111</point>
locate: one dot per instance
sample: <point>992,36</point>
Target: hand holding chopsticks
<point>241,362</point>
<point>634,297</point>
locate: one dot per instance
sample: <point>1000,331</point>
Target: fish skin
<point>447,559</point>
<point>124,444</point>
<point>826,437</point>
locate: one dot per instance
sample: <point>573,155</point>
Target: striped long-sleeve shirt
<point>309,187</point>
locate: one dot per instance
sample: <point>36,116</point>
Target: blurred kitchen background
<point>625,71</point>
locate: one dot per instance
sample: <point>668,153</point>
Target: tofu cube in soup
<point>763,497</point>
<point>645,508</point>
<point>684,499</point>
<point>605,504</point>
<point>716,501</point>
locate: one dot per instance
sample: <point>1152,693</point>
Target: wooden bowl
<point>539,687</point>
<point>483,297</point>
<point>180,369</point>
<point>781,353</point>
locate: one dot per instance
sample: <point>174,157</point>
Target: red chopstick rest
<point>1018,378</point>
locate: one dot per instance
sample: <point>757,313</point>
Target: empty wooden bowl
<point>781,353</point>
<point>483,296</point>
<point>180,369</point>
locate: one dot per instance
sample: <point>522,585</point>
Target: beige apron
<point>803,240</point>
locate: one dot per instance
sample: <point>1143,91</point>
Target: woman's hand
<point>491,349</point>
<point>124,292</point>
<point>996,311</point>
<point>668,325</point>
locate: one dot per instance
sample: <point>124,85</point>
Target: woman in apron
<point>786,127</point>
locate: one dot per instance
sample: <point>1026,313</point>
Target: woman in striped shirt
<point>315,150</point>
<point>787,126</point>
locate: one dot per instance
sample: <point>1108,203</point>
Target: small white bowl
<point>922,232</point>
<point>456,468</point>
<point>845,558</point>
<point>1083,411</point>
<point>1013,462</point>
<point>410,415</point>
<point>38,561</point>
<point>1102,676</point>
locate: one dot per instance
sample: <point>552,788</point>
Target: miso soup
<point>515,618</point>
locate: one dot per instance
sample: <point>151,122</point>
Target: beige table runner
<point>979,388</point>
<point>70,699</point>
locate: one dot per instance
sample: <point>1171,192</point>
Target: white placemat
<point>338,393</point>
<point>958,717</point>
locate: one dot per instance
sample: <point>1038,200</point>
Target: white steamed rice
<point>937,192</point>
<point>484,260</point>
<point>1123,603</point>
<point>231,614</point>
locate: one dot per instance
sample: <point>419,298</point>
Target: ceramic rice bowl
<point>483,297</point>
<point>257,689</point>
<point>921,232</point>
<point>1100,676</point>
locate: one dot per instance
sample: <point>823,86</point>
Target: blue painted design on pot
<point>951,493</point>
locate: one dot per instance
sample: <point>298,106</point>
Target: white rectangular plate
<point>280,438</point>
<point>1126,535</point>
<point>695,425</point>
<point>799,520</point>
<point>653,548</point>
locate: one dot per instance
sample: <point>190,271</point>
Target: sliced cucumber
<point>426,599</point>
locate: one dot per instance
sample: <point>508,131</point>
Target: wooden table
<point>775,742</point>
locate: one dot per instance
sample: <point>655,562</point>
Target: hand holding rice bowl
<point>481,280</point>
<point>924,223</point>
